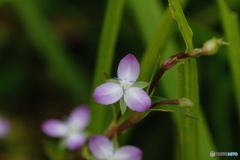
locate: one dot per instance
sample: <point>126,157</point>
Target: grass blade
<point>231,29</point>
<point>106,48</point>
<point>190,140</point>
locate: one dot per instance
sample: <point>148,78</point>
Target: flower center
<point>125,84</point>
<point>72,129</point>
<point>111,158</point>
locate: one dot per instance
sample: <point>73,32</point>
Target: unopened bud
<point>211,46</point>
<point>195,53</point>
<point>184,102</point>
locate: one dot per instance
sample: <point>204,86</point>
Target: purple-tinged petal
<point>4,127</point>
<point>75,140</point>
<point>79,118</point>
<point>137,99</point>
<point>101,147</point>
<point>54,128</point>
<point>128,68</point>
<point>108,93</point>
<point>128,153</point>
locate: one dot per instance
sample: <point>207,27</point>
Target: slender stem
<point>156,79</point>
<point>164,102</point>
<point>134,118</point>
<point>169,63</point>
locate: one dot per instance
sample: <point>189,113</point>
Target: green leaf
<point>108,39</point>
<point>177,13</point>
<point>115,143</point>
<point>87,154</point>
<point>55,150</point>
<point>232,33</point>
<point>156,46</point>
<point>123,106</point>
<point>113,81</point>
<point>172,108</point>
<point>140,84</point>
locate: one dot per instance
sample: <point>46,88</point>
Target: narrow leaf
<point>108,39</point>
<point>177,13</point>
<point>123,106</point>
<point>140,84</point>
<point>172,108</point>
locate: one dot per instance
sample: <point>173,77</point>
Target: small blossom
<point>124,87</point>
<point>211,46</point>
<point>4,127</point>
<point>71,129</point>
<point>102,148</point>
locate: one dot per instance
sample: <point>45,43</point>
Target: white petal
<point>108,93</point>
<point>75,140</point>
<point>128,153</point>
<point>137,99</point>
<point>128,68</point>
<point>79,118</point>
<point>54,128</point>
<point>101,147</point>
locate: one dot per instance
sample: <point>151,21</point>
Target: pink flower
<point>4,127</point>
<point>71,130</point>
<point>125,88</point>
<point>102,148</point>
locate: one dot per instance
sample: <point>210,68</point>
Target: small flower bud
<point>211,46</point>
<point>195,53</point>
<point>184,102</point>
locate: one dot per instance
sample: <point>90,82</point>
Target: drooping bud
<point>185,102</point>
<point>211,46</point>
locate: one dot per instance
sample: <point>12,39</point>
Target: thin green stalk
<point>51,49</point>
<point>231,29</point>
<point>105,55</point>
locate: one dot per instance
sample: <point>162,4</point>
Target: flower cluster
<point>72,131</point>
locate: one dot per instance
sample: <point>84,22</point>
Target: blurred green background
<point>48,54</point>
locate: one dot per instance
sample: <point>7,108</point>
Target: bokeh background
<point>48,54</point>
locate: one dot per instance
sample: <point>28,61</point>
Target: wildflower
<point>71,129</point>
<point>4,127</point>
<point>102,148</point>
<point>124,88</point>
